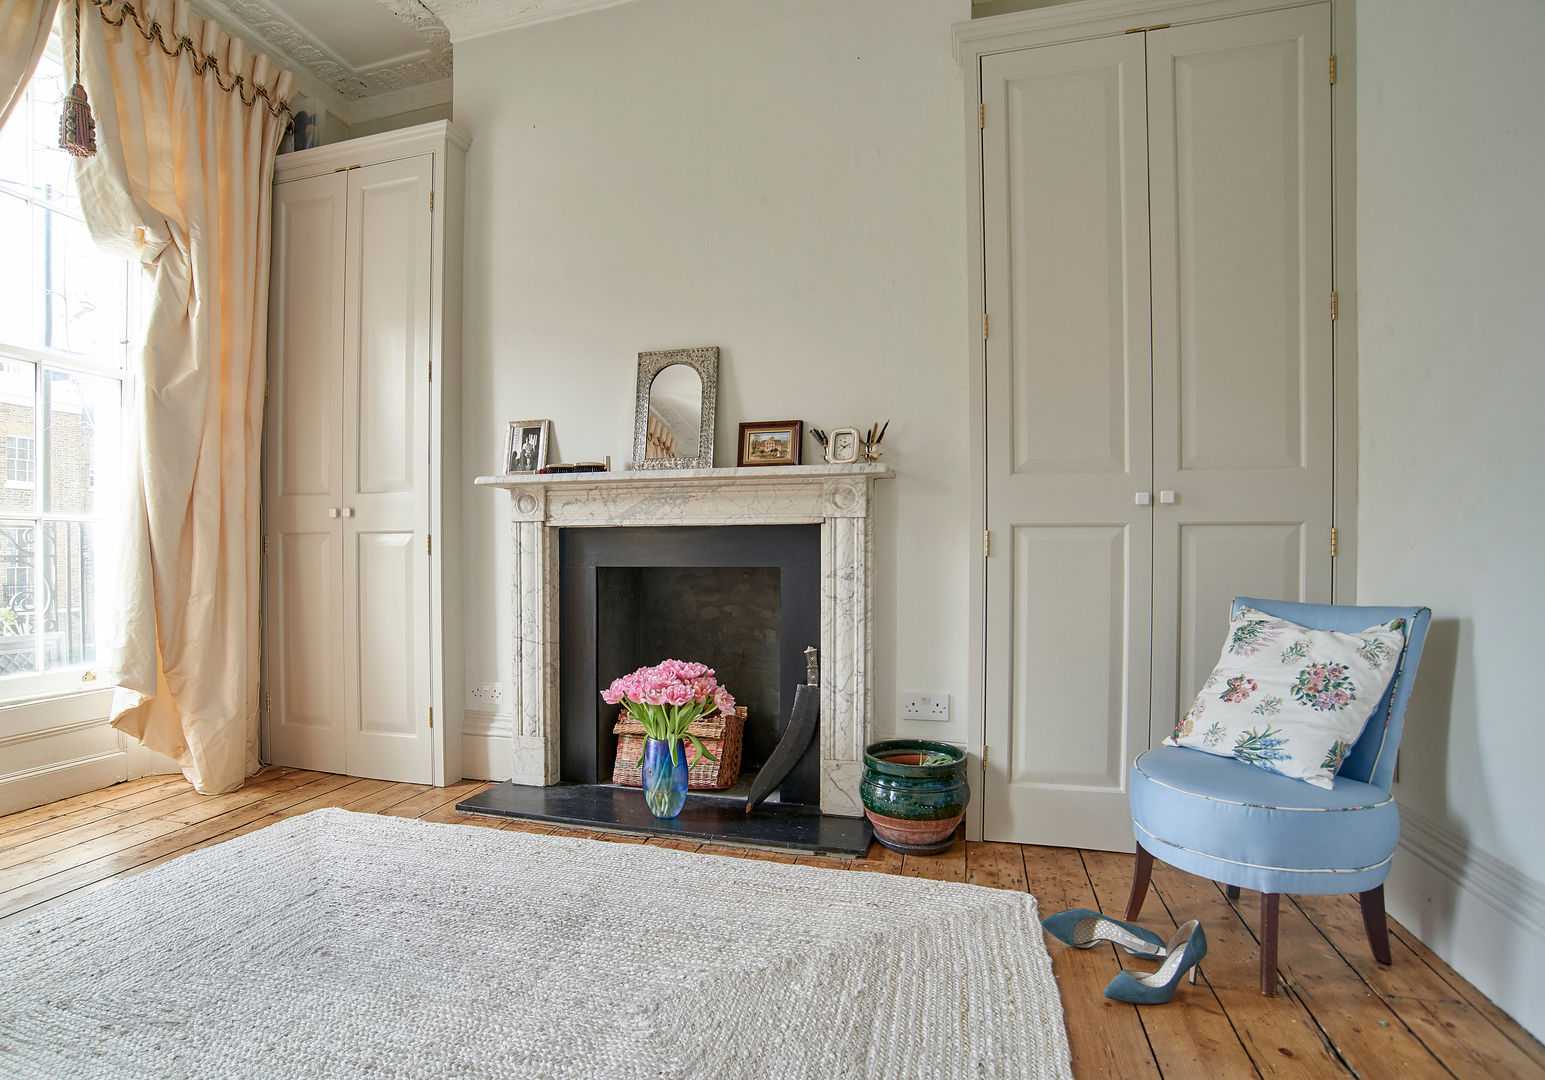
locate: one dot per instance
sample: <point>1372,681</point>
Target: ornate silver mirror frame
<point>705,362</point>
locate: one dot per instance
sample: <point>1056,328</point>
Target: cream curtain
<point>182,183</point>
<point>24,27</point>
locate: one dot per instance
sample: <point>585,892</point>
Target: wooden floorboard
<point>1337,1013</point>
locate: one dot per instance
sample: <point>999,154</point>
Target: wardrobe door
<point>303,477</point>
<point>386,465</point>
<point>1069,441</point>
<point>1240,176</point>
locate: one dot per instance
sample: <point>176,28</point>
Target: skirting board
<point>76,758</point>
<point>1482,916</point>
<point>485,744</point>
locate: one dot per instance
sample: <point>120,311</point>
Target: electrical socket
<point>488,693</point>
<point>925,707</point>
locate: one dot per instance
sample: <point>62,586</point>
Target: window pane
<point>70,562</point>
<point>82,415</point>
<point>16,284</point>
<point>17,438</point>
<point>13,156</point>
<point>84,292</point>
<point>18,602</point>
<point>52,181</point>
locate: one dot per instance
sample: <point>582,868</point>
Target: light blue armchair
<point>1246,828</point>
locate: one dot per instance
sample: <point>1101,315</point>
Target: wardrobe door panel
<point>303,477</point>
<point>391,343</point>
<point>385,438</point>
<point>388,738</point>
<point>1069,442</point>
<point>1240,182</point>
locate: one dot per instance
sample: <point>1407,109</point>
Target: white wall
<point>783,180</point>
<point>1451,280</point>
<point>376,125</point>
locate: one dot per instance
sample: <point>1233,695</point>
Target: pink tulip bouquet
<point>669,696</point>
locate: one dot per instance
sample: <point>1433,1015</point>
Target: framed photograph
<point>525,447</point>
<point>770,442</point>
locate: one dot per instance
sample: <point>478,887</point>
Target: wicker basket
<point>721,735</point>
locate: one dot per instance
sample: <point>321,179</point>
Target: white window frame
<point>43,685</point>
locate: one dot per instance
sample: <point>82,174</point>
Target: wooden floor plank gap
<point>1373,991</point>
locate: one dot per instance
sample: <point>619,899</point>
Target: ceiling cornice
<point>467,19</point>
<point>294,48</point>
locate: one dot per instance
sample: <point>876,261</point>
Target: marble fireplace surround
<point>839,498</point>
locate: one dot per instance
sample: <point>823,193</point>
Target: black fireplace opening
<point>743,599</point>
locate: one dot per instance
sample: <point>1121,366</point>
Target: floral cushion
<point>1289,699</point>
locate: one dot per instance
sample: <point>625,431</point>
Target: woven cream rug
<point>350,945</point>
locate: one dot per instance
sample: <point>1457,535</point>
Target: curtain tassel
<point>77,128</point>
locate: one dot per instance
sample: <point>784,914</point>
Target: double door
<point>1157,211</point>
<point>347,473</point>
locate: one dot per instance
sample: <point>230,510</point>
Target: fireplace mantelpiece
<point>839,498</point>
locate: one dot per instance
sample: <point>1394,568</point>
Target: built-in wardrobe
<point>1157,380</point>
<point>362,451</point>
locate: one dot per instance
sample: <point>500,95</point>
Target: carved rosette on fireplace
<point>839,498</point>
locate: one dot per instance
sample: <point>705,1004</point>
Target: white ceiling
<point>363,34</point>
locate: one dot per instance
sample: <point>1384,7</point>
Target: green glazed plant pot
<point>914,793</point>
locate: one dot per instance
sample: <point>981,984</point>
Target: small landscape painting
<point>770,442</point>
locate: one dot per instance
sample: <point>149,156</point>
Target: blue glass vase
<point>665,781</point>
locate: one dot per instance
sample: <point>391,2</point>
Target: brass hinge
<point>987,544</point>
<point>1333,69</point>
<point>429,544</point>
<point>265,386</point>
<point>431,371</point>
<point>1333,539</point>
<point>265,545</point>
<point>268,700</point>
<point>431,718</point>
<point>1333,303</point>
<point>984,755</point>
<point>984,326</point>
<point>431,200</point>
<point>981,114</point>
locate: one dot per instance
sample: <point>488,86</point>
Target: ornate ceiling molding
<point>466,19</point>
<point>295,48</point>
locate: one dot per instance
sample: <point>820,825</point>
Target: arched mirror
<point>674,422</point>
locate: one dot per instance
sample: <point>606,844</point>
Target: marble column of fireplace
<point>837,497</point>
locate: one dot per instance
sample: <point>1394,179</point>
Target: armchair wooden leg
<point>1142,870</point>
<point>1373,922</point>
<point>1231,891</point>
<point>1269,943</point>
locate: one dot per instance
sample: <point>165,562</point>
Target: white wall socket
<point>488,693</point>
<point>925,707</point>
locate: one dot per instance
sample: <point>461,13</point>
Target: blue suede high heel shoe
<point>1082,928</point>
<point>1185,950</point>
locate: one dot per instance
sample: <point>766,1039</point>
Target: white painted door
<point>1069,445</point>
<point>1104,615</point>
<point>1240,178</point>
<point>385,440</point>
<point>347,478</point>
<point>303,477</point>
